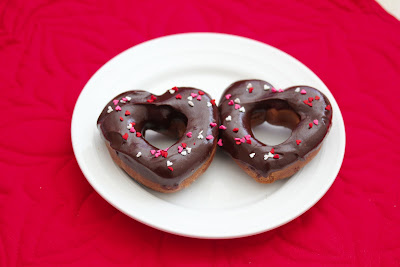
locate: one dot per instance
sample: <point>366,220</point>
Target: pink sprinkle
<point>152,151</point>
<point>193,95</point>
<point>231,103</point>
<point>273,90</point>
<point>124,99</point>
<point>220,142</point>
<point>189,134</point>
<point>180,149</point>
<point>115,101</point>
<point>209,137</point>
<point>237,139</point>
<point>132,130</point>
<point>213,124</point>
<point>228,96</point>
<point>237,106</point>
<point>315,122</point>
<point>303,92</point>
<point>242,140</point>
<point>198,97</point>
<point>118,108</point>
<point>247,137</point>
<point>222,127</point>
<point>280,90</point>
<point>166,150</point>
<point>157,154</point>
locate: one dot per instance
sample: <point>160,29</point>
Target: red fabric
<point>50,215</point>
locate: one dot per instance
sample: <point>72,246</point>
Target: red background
<point>51,216</point>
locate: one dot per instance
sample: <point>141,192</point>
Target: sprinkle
<point>127,113</point>
<point>209,104</point>
<point>248,141</point>
<point>115,101</point>
<point>175,88</point>
<point>200,136</point>
<point>150,101</point>
<point>201,93</point>
<point>180,149</point>
<point>157,154</point>
<point>193,95</point>
<point>237,140</point>
<point>188,149</point>
<point>183,153</point>
<point>164,153</point>
<point>189,134</point>
<point>297,89</point>
<point>118,108</point>
<point>242,109</point>
<point>171,169</point>
<point>315,122</point>
<point>235,130</point>
<point>132,130</point>
<point>222,127</point>
<point>219,142</point>
<point>276,156</point>
<point>280,90</point>
<point>317,97</point>
<point>209,137</point>
<point>237,101</point>
<point>249,85</point>
<point>298,142</point>
<point>213,102</point>
<point>153,97</point>
<point>198,97</point>
<point>184,145</point>
<point>213,124</point>
<point>138,134</point>
<point>169,163</point>
<point>230,103</point>
<point>129,126</point>
<point>247,137</point>
<point>128,98</point>
<point>121,119</point>
<point>310,125</point>
<point>269,155</point>
<point>190,98</point>
<point>328,107</point>
<point>237,106</point>
<point>252,155</point>
<point>229,118</point>
<point>305,101</point>
<point>122,101</point>
<point>138,154</point>
<point>171,91</point>
<point>266,87</point>
<point>272,151</point>
<point>228,96</point>
<point>303,92</point>
<point>242,140</point>
<point>251,89</point>
<point>310,104</point>
<point>310,99</point>
<point>125,136</point>
<point>109,110</point>
<point>191,103</point>
<point>152,151</point>
<point>178,96</point>
<point>273,90</point>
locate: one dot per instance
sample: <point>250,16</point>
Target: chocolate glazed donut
<point>185,113</point>
<point>247,103</point>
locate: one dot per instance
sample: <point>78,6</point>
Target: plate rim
<point>301,211</point>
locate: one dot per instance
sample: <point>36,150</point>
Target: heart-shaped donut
<point>186,113</point>
<point>303,109</point>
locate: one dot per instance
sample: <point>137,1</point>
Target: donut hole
<point>274,126</point>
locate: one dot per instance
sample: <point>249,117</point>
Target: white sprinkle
<point>109,109</point>
<point>266,87</point>
<point>171,91</point>
<point>190,98</point>
<point>169,163</point>
<point>188,149</point>
<point>242,109</point>
<point>237,101</point>
<point>297,89</point>
<point>269,155</point>
<point>129,126</point>
<point>183,153</point>
<point>200,136</point>
<point>122,101</point>
<point>191,103</point>
<point>138,154</point>
<point>252,155</point>
<point>249,85</point>
<point>128,98</point>
<point>209,104</point>
<point>229,118</point>
<point>201,131</point>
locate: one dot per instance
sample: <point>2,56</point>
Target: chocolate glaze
<point>257,104</point>
<point>168,115</point>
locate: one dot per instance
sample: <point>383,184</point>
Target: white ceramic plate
<point>224,202</point>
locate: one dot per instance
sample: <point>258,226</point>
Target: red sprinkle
<point>138,134</point>
<point>238,142</point>
<point>298,142</point>
<point>133,123</point>
<point>316,97</point>
<point>150,101</point>
<point>201,93</point>
<point>125,136</point>
<point>305,102</point>
<point>310,99</point>
<point>184,145</point>
<point>276,156</point>
<point>248,141</point>
<point>310,104</point>
<point>310,125</point>
<point>178,96</point>
<point>171,169</point>
<point>175,88</point>
<point>164,153</point>
<point>272,151</point>
<point>127,113</point>
<point>328,107</point>
<point>213,102</point>
<point>153,97</point>
<point>235,130</point>
<point>121,119</point>
<point>251,89</point>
